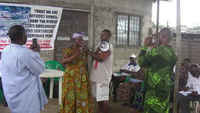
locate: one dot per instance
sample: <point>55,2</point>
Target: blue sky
<point>190,15</point>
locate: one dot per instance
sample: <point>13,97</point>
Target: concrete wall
<point>104,17</point>
<point>190,47</point>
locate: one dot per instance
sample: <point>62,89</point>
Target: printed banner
<point>40,22</point>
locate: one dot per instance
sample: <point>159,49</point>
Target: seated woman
<point>76,94</point>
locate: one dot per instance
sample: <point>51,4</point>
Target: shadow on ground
<point>52,107</point>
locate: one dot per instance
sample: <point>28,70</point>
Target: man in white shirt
<point>193,84</point>
<point>20,68</point>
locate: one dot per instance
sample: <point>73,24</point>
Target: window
<point>128,31</point>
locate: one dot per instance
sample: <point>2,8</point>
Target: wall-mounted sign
<point>40,22</point>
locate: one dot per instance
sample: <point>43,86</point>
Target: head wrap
<point>78,35</point>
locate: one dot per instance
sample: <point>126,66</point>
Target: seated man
<point>132,66</point>
<point>192,85</point>
<point>185,66</point>
<point>132,85</point>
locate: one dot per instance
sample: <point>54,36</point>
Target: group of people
<point>189,82</point>
<point>20,69</point>
<point>80,89</point>
<point>157,60</point>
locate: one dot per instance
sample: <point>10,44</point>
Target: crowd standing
<point>81,88</point>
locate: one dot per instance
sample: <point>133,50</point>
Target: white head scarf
<point>77,35</point>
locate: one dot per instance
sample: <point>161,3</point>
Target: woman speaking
<point>75,95</point>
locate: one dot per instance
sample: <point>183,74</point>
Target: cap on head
<point>78,35</point>
<point>133,56</point>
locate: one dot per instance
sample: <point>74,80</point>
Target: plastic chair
<point>52,64</point>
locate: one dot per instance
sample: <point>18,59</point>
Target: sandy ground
<point>52,107</point>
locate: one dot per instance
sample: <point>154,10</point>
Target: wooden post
<point>91,33</point>
<point>178,51</point>
<point>157,21</point>
<point>92,28</point>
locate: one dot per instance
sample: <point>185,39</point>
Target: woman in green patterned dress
<point>159,63</point>
<point>76,97</point>
<point>138,101</point>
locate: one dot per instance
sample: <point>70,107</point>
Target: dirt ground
<point>52,107</point>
